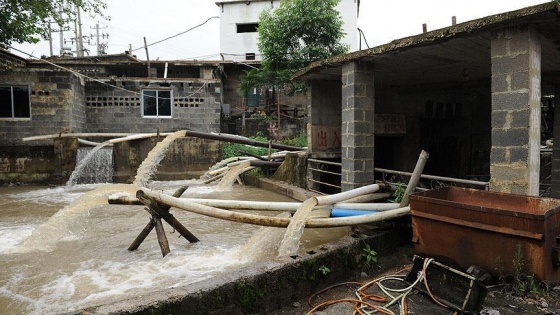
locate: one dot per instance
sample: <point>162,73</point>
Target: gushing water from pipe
<point>290,242</point>
<point>83,162</point>
<point>150,163</point>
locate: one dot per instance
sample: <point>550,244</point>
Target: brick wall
<point>56,105</point>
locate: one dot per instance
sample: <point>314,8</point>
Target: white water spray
<point>78,171</point>
<point>150,163</point>
<point>48,234</point>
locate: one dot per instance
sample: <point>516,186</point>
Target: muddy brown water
<point>64,248</point>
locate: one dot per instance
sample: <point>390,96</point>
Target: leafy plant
<point>236,149</point>
<point>369,256</point>
<point>28,21</point>
<point>324,270</point>
<point>298,141</point>
<point>296,33</point>
<point>520,284</point>
<point>399,193</point>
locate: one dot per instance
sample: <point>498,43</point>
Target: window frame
<point>244,28</point>
<point>13,103</point>
<point>157,98</point>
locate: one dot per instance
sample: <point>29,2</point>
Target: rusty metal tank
<point>496,231</point>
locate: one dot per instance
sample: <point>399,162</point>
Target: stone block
<point>505,65</point>
<point>498,46</point>
<point>518,154</point>
<point>499,156</point>
<point>510,101</point>
<point>509,172</point>
<point>500,82</point>
<point>510,137</point>
<point>64,86</point>
<point>500,118</point>
<point>520,118</point>
<point>359,153</point>
<point>520,81</point>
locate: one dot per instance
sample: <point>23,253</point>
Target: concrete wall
<point>185,158</point>
<point>289,128</point>
<point>56,105</point>
<point>324,118</point>
<point>235,45</point>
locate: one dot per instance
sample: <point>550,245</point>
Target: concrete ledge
<point>283,188</point>
<point>263,286</point>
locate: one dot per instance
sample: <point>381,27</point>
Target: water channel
<point>64,248</point>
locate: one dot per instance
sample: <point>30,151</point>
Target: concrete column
<point>65,151</point>
<point>555,180</point>
<point>357,125</point>
<point>516,111</point>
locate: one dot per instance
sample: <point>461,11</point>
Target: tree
<point>24,21</point>
<point>296,33</point>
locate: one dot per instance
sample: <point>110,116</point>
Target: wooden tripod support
<point>160,211</point>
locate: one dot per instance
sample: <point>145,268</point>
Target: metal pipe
<point>241,140</point>
<point>433,177</point>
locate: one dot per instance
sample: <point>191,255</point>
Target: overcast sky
<point>380,20</point>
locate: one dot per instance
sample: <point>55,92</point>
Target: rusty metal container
<point>493,230</point>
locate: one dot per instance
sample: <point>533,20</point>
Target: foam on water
<point>97,282</point>
<point>47,195</point>
<point>11,235</point>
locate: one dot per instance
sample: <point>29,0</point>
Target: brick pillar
<point>555,180</point>
<point>516,111</point>
<point>357,125</point>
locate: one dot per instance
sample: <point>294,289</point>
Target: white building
<point>239,20</point>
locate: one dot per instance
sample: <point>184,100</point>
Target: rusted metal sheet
<point>474,227</point>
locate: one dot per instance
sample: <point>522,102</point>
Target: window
<point>247,28</point>
<point>250,56</point>
<point>156,103</point>
<point>14,102</point>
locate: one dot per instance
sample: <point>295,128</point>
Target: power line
<point>94,79</point>
<point>178,34</point>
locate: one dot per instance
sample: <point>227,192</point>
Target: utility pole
<point>76,37</point>
<point>80,36</point>
<point>50,40</point>
<point>147,56</point>
<point>61,29</point>
<point>100,46</point>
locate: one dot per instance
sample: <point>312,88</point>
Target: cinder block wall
<point>56,105</point>
<point>516,110</point>
<point>118,109</point>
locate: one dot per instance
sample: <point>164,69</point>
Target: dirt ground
<point>497,301</point>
